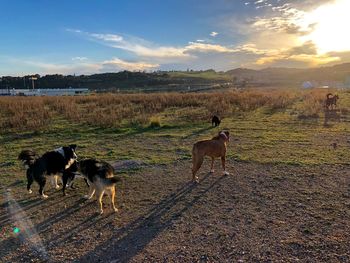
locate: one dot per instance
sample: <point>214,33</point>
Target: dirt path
<point>260,213</point>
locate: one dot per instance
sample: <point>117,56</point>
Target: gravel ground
<point>259,213</point>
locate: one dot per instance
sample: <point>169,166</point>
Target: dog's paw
<point>226,173</point>
<point>100,212</point>
<point>212,171</point>
<point>30,191</point>
<point>44,196</point>
<point>88,197</point>
<point>116,210</point>
<point>196,180</point>
<point>57,187</point>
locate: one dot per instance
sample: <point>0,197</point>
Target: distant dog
<point>214,148</point>
<point>215,121</point>
<point>101,178</point>
<point>49,164</point>
<point>331,101</point>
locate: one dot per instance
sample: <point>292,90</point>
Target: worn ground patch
<point>261,212</point>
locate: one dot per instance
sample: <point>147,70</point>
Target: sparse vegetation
<point>285,171</point>
<point>264,121</point>
<point>114,110</point>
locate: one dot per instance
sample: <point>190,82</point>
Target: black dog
<point>215,120</point>
<point>49,164</point>
<point>69,175</point>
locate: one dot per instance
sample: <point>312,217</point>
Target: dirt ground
<point>259,213</point>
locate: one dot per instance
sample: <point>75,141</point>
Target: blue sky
<point>94,36</point>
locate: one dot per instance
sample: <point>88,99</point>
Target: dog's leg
<point>55,177</point>
<point>111,195</point>
<point>64,182</point>
<point>53,181</point>
<point>87,183</point>
<point>224,166</point>
<point>30,180</point>
<point>99,194</point>
<point>212,165</point>
<point>91,192</point>
<point>197,163</point>
<point>41,188</point>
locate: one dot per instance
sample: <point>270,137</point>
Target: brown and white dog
<point>101,178</point>
<point>214,148</point>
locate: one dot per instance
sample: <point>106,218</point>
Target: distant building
<point>308,85</point>
<point>44,92</point>
<point>5,92</point>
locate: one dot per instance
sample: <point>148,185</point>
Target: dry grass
<point>120,110</point>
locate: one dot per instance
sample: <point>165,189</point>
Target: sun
<point>331,27</point>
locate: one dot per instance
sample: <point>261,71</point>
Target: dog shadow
<point>136,235</point>
<point>197,132</point>
<point>11,243</point>
<point>29,205</point>
<point>329,116</point>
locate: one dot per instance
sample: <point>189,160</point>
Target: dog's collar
<point>61,151</point>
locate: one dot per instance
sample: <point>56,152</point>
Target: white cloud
<point>79,67</point>
<point>79,58</point>
<point>118,64</point>
<point>214,34</point>
<point>203,47</point>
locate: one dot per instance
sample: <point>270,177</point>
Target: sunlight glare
<point>330,32</point>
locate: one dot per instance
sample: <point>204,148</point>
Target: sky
<point>96,36</point>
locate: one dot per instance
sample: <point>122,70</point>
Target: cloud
<point>138,46</point>
<point>276,36</point>
<point>80,67</point>
<point>308,48</point>
<point>79,58</point>
<point>155,53</point>
<point>303,55</point>
<point>194,47</point>
<point>117,64</point>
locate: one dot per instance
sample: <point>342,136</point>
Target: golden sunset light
<point>329,21</point>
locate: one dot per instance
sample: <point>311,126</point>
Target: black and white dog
<point>49,164</point>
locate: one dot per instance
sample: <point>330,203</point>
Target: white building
<point>44,92</point>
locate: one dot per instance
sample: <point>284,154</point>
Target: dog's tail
<point>28,157</point>
<point>111,180</point>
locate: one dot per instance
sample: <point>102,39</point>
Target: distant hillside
<point>292,76</point>
<point>184,80</point>
<point>124,80</point>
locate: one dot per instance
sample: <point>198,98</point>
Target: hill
<point>335,76</point>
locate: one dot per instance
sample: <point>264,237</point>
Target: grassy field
<point>269,128</point>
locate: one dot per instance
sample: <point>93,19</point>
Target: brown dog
<point>331,101</point>
<point>214,148</point>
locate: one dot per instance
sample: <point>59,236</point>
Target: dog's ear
<point>73,146</point>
